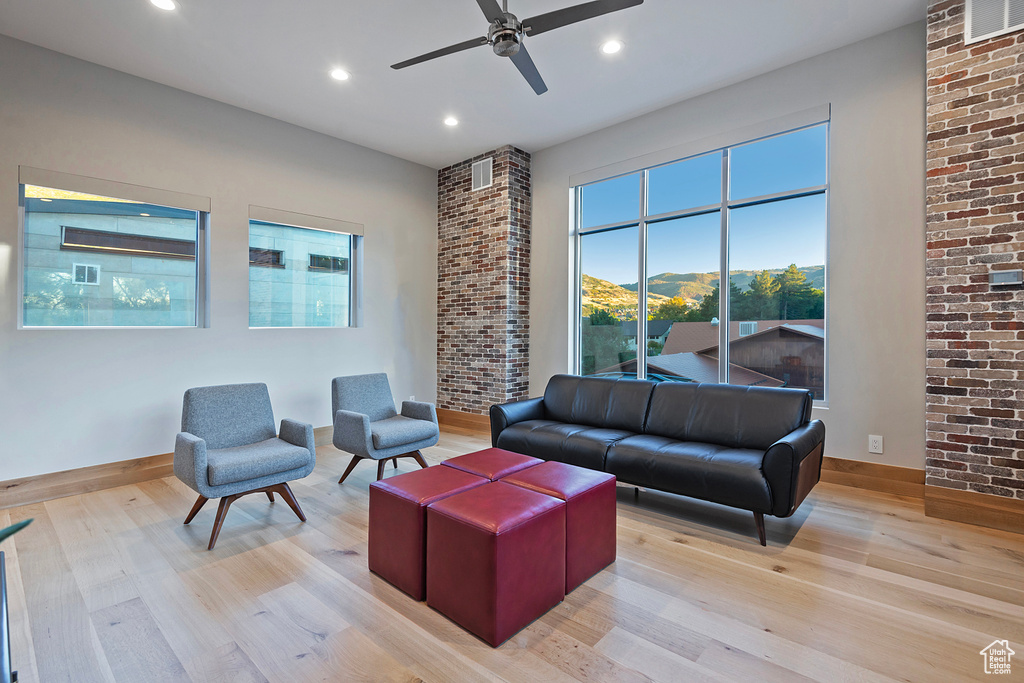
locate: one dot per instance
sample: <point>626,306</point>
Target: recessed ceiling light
<point>611,47</point>
<point>143,214</point>
<point>166,5</point>
<point>44,199</point>
<point>339,74</point>
<point>451,121</point>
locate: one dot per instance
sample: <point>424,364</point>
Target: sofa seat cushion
<point>731,476</point>
<point>400,430</point>
<point>261,459</point>
<point>574,444</point>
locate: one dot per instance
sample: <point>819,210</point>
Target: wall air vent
<point>991,18</point>
<point>483,173</point>
<point>82,274</point>
<point>748,328</point>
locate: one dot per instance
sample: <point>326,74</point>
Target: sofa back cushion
<point>734,416</point>
<point>598,401</point>
<point>228,415</point>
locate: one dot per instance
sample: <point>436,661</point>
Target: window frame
<point>724,208</point>
<point>355,233</point>
<point>57,180</point>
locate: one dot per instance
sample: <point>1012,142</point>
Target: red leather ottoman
<point>589,514</point>
<point>398,517</point>
<point>495,558</point>
<point>492,463</point>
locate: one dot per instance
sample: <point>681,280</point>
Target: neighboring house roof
<point>686,337</point>
<point>803,330</point>
<point>698,368</point>
<point>655,328</point>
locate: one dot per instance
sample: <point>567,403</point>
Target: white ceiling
<point>273,57</point>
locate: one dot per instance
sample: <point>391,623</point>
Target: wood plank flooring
<point>858,586</point>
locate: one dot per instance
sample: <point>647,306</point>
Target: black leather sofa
<point>753,448</point>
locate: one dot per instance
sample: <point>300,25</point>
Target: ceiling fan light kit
<point>505,34</point>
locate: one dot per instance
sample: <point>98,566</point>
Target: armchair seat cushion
<point>400,430</point>
<point>572,444</point>
<point>731,476</point>
<point>261,459</point>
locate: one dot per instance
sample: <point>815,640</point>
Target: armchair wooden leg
<point>200,502</point>
<point>351,466</point>
<point>222,511</point>
<point>380,469</point>
<point>289,497</point>
<point>394,461</point>
<point>419,458</point>
<point>759,520</point>
<point>270,495</point>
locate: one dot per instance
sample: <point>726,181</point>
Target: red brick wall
<point>483,284</point>
<point>975,385</point>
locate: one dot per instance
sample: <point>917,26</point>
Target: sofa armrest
<point>298,434</point>
<point>352,433</point>
<point>784,461</point>
<point>508,414</point>
<point>190,460</point>
<point>419,410</point>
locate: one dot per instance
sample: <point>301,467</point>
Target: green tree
<point>603,344</point>
<point>797,299</point>
<point>763,297</point>
<point>676,309</point>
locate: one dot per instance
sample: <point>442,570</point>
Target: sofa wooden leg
<point>270,495</point>
<point>759,520</point>
<point>289,497</point>
<point>200,502</point>
<point>636,493</point>
<point>351,466</point>
<point>222,512</point>
<point>380,469</point>
<point>419,458</point>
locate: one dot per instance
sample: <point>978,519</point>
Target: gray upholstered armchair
<point>228,447</point>
<point>367,425</point>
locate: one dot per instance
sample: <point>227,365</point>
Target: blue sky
<point>763,236</point>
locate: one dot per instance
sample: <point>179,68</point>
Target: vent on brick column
<point>483,173</point>
<point>990,18</point>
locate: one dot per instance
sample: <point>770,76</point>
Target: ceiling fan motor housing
<point>506,36</point>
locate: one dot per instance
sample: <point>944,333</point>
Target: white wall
<point>876,285</point>
<point>72,398</point>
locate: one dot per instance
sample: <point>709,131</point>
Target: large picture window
<point>300,277</point>
<point>654,247</point>
<point>98,261</point>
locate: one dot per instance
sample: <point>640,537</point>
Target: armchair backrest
<point>368,395</point>
<point>228,415</point>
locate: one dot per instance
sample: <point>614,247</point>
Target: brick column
<point>975,385</point>
<point>483,284</point>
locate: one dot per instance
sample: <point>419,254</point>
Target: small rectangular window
<point>332,264</point>
<point>267,258</point>
<point>141,269</point>
<point>299,277</point>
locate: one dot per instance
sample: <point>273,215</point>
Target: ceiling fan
<point>506,32</point>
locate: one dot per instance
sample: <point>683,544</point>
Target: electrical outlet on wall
<point>874,443</point>
<point>412,398</point>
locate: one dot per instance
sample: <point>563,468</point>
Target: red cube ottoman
<point>495,558</point>
<point>492,463</point>
<point>398,531</point>
<point>589,514</point>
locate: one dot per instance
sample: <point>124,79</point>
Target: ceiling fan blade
<point>525,64</point>
<point>571,15</point>
<point>458,47</point>
<point>491,10</point>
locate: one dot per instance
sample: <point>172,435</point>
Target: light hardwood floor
<point>858,586</point>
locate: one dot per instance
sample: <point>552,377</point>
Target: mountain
<point>621,302</point>
<point>695,286</point>
<point>691,286</point>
